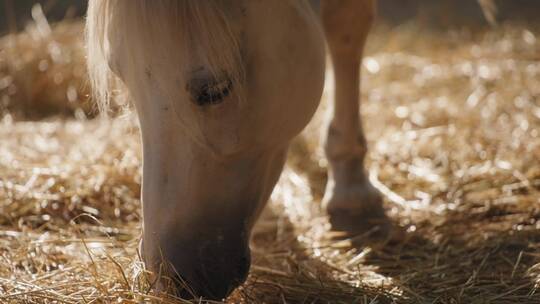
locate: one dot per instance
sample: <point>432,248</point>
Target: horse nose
<point>223,280</point>
<point>215,281</point>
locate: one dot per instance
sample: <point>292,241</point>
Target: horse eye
<point>209,92</point>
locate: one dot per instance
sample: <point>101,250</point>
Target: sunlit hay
<point>452,121</point>
<point>456,153</point>
<point>43,71</point>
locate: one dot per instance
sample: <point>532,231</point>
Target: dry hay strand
<point>452,120</point>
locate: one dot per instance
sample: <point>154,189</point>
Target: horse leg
<point>349,196</point>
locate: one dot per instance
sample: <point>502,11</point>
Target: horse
<point>221,87</point>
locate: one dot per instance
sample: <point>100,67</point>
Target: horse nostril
<point>229,278</point>
<point>215,281</point>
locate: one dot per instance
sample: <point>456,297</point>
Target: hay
<point>453,124</point>
<point>41,72</point>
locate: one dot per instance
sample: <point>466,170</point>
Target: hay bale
<point>43,73</point>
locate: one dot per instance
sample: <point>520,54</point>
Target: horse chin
<point>191,270</point>
<point>216,281</point>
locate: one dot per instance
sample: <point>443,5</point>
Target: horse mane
<point>202,26</point>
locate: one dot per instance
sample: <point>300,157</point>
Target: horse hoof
<point>355,208</point>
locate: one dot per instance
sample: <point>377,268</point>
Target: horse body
<point>221,88</point>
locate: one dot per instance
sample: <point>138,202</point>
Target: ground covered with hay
<point>453,122</point>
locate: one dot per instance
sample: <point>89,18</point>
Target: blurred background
<point>42,69</point>
<point>41,59</point>
<point>16,13</point>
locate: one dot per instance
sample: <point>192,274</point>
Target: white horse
<point>221,87</point>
